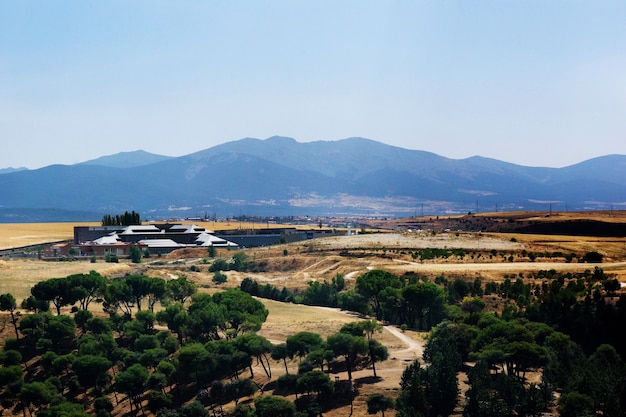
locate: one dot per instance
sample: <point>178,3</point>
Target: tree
<point>472,305</point>
<point>211,251</point>
<point>176,318</point>
<point>442,387</point>
<point>56,290</point>
<point>412,399</point>
<point>606,377</point>
<point>36,393</point>
<point>257,346</point>
<point>372,283</point>
<point>315,382</point>
<point>132,382</point>
<point>119,295</point>
<point>280,352</point>
<point>370,327</point>
<point>156,291</point>
<point>378,352</point>
<point>242,312</point>
<point>348,346</point>
<point>270,406</point>
<point>378,402</point>
<point>197,364</point>
<point>126,219</point>
<point>86,288</point>
<point>140,286</point>
<point>90,369</point>
<point>425,305</point>
<point>302,343</point>
<point>575,404</point>
<point>134,253</point>
<point>7,303</point>
<point>180,289</point>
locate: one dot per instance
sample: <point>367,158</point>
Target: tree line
<point>126,219</point>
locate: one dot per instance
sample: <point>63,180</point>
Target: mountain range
<point>280,176</point>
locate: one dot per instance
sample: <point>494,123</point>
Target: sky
<point>532,82</point>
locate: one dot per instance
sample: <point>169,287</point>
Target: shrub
<point>219,278</point>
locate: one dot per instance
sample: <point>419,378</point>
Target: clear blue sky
<point>532,82</point>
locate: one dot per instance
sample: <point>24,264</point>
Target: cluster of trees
<point>79,364</point>
<point>403,300</point>
<point>211,343</point>
<point>582,360</point>
<point>126,219</point>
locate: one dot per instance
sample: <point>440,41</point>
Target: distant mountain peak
<point>11,169</point>
<point>130,159</point>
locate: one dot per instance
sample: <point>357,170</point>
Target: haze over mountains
<point>280,176</point>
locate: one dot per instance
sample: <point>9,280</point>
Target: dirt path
<point>414,349</point>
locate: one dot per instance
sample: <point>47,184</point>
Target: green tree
<point>119,296</point>
<point>56,290</point>
<point>7,303</point>
<point>87,288</point>
<point>91,369</point>
<point>302,343</point>
<point>37,394</point>
<point>575,404</point>
<point>378,352</point>
<point>180,289</point>
<point>176,318</point>
<point>197,364</point>
<point>372,283</point>
<point>242,312</point>
<point>607,380</point>
<point>315,382</point>
<point>412,401</point>
<point>378,402</point>
<point>425,305</point>
<point>280,352</point>
<point>269,406</point>
<point>348,346</point>
<point>132,383</point>
<point>134,253</point>
<point>257,346</point>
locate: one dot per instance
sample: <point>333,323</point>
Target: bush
<point>593,257</point>
<point>219,278</point>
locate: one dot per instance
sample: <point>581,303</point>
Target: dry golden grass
<point>17,276</point>
<point>24,234</point>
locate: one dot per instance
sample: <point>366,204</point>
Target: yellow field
<point>17,276</point>
<point>23,234</point>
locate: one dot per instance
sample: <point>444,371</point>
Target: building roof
<point>207,239</point>
<point>186,228</point>
<point>161,243</point>
<point>111,239</point>
<point>138,229</point>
